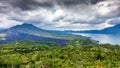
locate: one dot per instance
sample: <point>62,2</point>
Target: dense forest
<point>75,54</point>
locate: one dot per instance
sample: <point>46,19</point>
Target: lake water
<point>103,38</point>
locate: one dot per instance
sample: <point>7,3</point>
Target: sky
<point>60,14</point>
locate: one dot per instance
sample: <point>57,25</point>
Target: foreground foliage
<point>76,54</point>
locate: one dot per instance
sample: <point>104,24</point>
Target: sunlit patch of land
<point>3,36</point>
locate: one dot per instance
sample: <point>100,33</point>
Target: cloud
<point>60,14</point>
<point>30,4</point>
<point>6,23</point>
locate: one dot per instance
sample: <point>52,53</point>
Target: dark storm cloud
<point>26,4</point>
<point>75,2</point>
<point>33,4</point>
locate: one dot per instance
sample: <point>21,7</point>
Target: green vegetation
<point>76,54</point>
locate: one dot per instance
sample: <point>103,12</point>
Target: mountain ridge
<point>29,31</point>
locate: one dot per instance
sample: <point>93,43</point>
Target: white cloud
<point>62,17</point>
<point>6,23</point>
<point>107,7</point>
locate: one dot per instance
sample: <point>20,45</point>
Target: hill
<point>31,54</point>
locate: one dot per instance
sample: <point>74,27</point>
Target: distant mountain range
<point>30,32</point>
<point>110,30</point>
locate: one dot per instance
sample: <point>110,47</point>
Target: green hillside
<point>76,54</point>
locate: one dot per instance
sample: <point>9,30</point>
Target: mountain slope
<point>27,29</point>
<point>21,36</point>
<point>1,29</point>
<point>112,30</point>
<point>32,30</point>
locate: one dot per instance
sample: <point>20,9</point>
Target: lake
<point>103,38</point>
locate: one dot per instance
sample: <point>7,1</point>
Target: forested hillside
<point>76,54</point>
